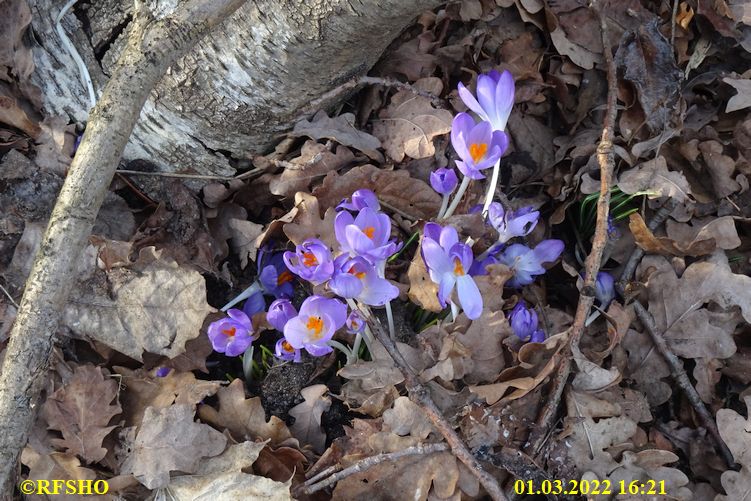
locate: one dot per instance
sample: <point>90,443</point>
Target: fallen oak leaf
<point>82,409</point>
<point>654,178</point>
<point>699,240</point>
<point>169,440</point>
<point>307,426</point>
<point>244,418</point>
<point>307,222</point>
<point>409,123</point>
<point>315,160</point>
<point>395,188</point>
<point>340,129</point>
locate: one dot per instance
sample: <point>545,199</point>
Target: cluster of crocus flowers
<point>448,262</point>
<point>480,145</point>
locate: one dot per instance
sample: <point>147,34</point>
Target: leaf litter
<point>137,395</point>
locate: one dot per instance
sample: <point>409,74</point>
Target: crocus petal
<point>358,241</point>
<point>254,304</point>
<point>469,170</point>
<point>469,100</point>
<point>238,346</point>
<point>548,251</point>
<point>436,259</point>
<point>461,127</point>
<point>432,231</point>
<point>504,99</point>
<point>318,350</point>
<point>448,237</point>
<point>295,332</point>
<point>486,95</point>
<point>469,296</point>
<point>240,317</point>
<point>346,285</point>
<point>445,287</point>
<point>377,291</point>
<point>342,220</point>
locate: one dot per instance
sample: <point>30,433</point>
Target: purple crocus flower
<point>366,235</point>
<point>604,288</point>
<point>526,263</point>
<point>495,98</point>
<point>315,325</point>
<point>478,145</point>
<point>360,199</point>
<point>163,371</point>
<point>279,313</point>
<point>523,322</point>
<point>443,180</point>
<point>231,335</point>
<point>254,304</point>
<point>510,224</point>
<point>274,276</point>
<point>357,278</point>
<point>285,351</point>
<point>355,323</point>
<point>448,262</point>
<point>311,261</point>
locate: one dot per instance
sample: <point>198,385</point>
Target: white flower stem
<point>491,187</point>
<point>457,197</point>
<point>390,318</point>
<point>248,363</point>
<point>254,287</point>
<point>356,347</point>
<point>339,346</point>
<point>592,317</point>
<point>444,205</point>
<point>82,69</point>
<point>366,335</point>
<point>454,311</point>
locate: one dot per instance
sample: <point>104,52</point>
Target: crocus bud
<point>355,323</point>
<point>443,180</point>
<point>604,288</point>
<point>279,313</point>
<point>523,321</point>
<point>163,371</point>
<point>360,199</point>
<point>285,351</point>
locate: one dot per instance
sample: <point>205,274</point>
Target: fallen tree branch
<point>153,45</point>
<point>592,264</point>
<point>369,462</point>
<point>421,396</point>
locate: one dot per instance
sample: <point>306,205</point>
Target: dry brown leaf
<point>315,160</point>
<point>395,188</point>
<point>244,235</point>
<point>342,130</point>
<point>591,377</point>
<point>594,425</point>
<point>721,168</point>
<point>743,97</point>
<point>707,375</point>
<point>637,466</point>
<point>536,362</point>
<point>307,222</point>
<point>244,418</point>
<point>82,410</point>
<point>410,122</point>
<point>54,466</point>
<point>307,426</point>
<point>169,440</point>
<point>687,240</point>
<point>422,290</point>
<point>533,138</point>
<point>690,329</point>
<point>654,177</point>
<point>407,418</point>
<point>647,367</point>
<point>143,389</point>
<point>221,477</point>
<point>734,430</point>
<point>155,306</point>
<point>412,477</point>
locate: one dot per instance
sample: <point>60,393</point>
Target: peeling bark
<point>238,89</point>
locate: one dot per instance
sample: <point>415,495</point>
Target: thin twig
<point>421,396</point>
<point>12,301</point>
<point>369,462</point>
<point>175,174</point>
<point>321,474</point>
<point>682,379</point>
<point>672,23</point>
<point>592,264</point>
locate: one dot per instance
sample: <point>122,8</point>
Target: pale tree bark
<point>239,88</point>
<point>153,45</point>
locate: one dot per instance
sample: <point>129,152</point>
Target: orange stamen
<point>284,277</point>
<point>458,267</point>
<point>229,332</point>
<point>477,151</point>
<point>358,274</point>
<point>315,324</point>
<point>369,231</point>
<point>287,347</point>
<point>309,259</point>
